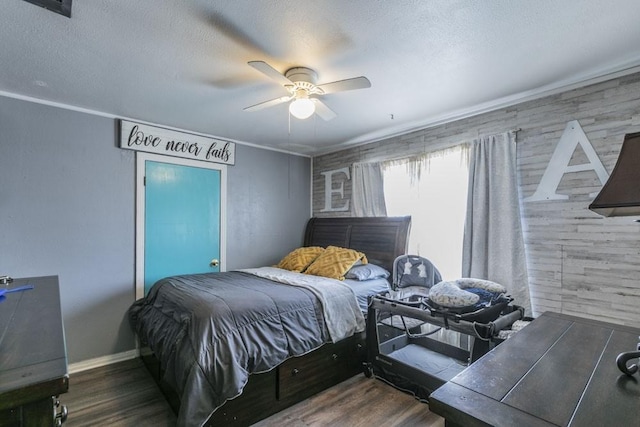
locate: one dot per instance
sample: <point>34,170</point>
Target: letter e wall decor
<point>329,190</point>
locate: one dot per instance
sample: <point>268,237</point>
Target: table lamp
<point>620,196</point>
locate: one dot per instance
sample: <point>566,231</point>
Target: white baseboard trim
<point>103,361</point>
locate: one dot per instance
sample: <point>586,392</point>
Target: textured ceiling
<point>183,64</point>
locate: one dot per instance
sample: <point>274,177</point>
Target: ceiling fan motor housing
<point>304,82</point>
<point>301,74</point>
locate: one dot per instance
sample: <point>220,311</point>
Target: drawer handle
<point>294,372</point>
<point>61,416</point>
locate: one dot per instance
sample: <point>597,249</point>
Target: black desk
<point>33,356</point>
<point>558,371</point>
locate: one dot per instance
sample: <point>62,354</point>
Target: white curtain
<point>493,247</point>
<point>367,195</point>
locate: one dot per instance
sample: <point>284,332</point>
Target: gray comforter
<point>210,331</point>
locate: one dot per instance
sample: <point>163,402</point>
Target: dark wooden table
<point>33,356</point>
<point>558,371</point>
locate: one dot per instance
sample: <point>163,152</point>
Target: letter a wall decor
<point>572,136</point>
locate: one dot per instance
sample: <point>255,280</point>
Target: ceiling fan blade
<point>348,84</point>
<point>270,72</point>
<point>323,111</point>
<point>266,104</point>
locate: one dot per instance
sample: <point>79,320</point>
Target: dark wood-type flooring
<point>124,394</point>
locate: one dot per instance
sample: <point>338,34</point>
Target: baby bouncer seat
<point>412,277</point>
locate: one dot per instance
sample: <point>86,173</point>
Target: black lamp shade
<point>620,195</point>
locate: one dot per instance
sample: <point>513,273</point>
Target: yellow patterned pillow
<point>299,259</point>
<point>334,262</point>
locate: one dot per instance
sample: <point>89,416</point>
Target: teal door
<point>182,221</point>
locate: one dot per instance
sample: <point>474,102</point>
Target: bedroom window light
<point>433,190</point>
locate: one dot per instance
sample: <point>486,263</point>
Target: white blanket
<point>341,312</point>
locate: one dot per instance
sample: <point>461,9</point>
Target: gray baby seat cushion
<point>414,270</point>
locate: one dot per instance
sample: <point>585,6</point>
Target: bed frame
<point>382,239</point>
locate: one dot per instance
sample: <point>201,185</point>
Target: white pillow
<point>452,294</point>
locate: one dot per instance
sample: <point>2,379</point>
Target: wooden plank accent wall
<point>578,262</point>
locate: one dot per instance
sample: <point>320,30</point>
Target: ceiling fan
<point>300,82</point>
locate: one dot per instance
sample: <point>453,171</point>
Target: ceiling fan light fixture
<point>302,108</point>
<point>300,82</point>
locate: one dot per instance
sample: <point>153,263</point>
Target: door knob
<point>214,263</point>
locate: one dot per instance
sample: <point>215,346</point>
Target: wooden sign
<point>151,139</point>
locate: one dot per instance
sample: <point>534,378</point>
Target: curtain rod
<point>403,156</point>
<point>507,131</point>
<point>514,131</point>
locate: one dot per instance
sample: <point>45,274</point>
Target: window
<point>433,190</point>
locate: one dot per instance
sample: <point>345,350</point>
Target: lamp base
<point>623,358</point>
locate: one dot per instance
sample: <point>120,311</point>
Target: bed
<point>275,341</point>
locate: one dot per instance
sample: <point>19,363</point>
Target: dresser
<point>33,355</point>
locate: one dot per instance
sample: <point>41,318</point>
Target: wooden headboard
<point>381,239</point>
